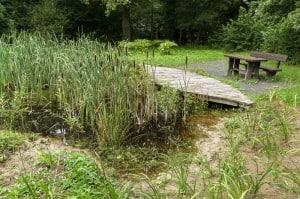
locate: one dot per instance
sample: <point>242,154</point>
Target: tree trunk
<point>126,30</point>
<point>152,22</point>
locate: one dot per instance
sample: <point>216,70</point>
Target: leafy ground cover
<point>9,142</point>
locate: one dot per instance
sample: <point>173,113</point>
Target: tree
<point>5,22</point>
<point>197,19</point>
<point>147,19</point>
<point>46,18</point>
<point>273,11</point>
<point>89,18</point>
<point>125,7</point>
<point>14,14</point>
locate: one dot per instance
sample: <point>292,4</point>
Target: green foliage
<point>9,141</point>
<point>165,47</point>
<point>47,18</point>
<point>6,24</point>
<point>259,28</point>
<point>195,54</point>
<point>194,105</point>
<point>272,11</point>
<point>46,83</point>
<point>271,38</point>
<point>133,159</point>
<point>284,37</point>
<point>197,19</point>
<point>141,45</point>
<point>48,159</point>
<point>82,173</point>
<point>290,37</point>
<point>16,15</point>
<point>72,175</point>
<point>241,34</point>
<point>112,5</point>
<point>168,103</point>
<point>266,126</point>
<point>155,43</point>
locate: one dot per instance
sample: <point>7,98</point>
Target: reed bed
<point>88,85</point>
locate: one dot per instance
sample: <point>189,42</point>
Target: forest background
<point>271,25</point>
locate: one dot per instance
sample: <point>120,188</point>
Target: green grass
<point>73,175</point>
<point>178,56</point>
<point>9,142</point>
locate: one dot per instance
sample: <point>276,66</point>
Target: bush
<point>165,47</point>
<point>271,38</point>
<point>284,37</point>
<point>241,34</point>
<point>141,45</point>
<point>290,37</point>
<point>6,24</point>
<point>155,43</point>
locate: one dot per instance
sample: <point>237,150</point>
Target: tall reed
<point>90,85</point>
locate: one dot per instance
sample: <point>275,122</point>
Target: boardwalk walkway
<point>213,90</point>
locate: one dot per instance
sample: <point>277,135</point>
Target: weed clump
<point>9,142</point>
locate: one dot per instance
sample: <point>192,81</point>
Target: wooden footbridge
<point>211,89</point>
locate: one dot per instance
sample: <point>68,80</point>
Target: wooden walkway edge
<point>211,89</point>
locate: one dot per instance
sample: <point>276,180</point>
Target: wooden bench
<point>252,65</point>
<point>270,71</point>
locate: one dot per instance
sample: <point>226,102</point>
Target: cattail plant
<point>89,85</point>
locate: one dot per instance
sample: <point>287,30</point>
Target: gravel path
<point>218,70</point>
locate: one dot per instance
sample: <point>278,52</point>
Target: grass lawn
<point>178,56</point>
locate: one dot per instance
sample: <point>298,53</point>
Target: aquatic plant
<point>86,85</point>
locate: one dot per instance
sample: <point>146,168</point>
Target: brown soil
<point>213,145</point>
<point>26,158</point>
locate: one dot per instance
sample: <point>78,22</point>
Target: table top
<point>245,57</point>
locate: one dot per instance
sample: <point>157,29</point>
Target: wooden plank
<point>245,57</point>
<point>272,56</point>
<point>211,89</point>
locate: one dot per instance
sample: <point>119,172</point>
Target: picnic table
<point>251,69</point>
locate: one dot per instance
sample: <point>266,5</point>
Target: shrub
<point>9,141</point>
<point>284,37</point>
<point>141,45</point>
<point>290,37</point>
<point>123,44</point>
<point>241,34</point>
<point>165,47</point>
<point>168,103</point>
<point>271,38</point>
<point>157,42</point>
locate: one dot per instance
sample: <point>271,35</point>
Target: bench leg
<point>236,66</point>
<point>256,69</point>
<point>230,66</point>
<point>249,70</point>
